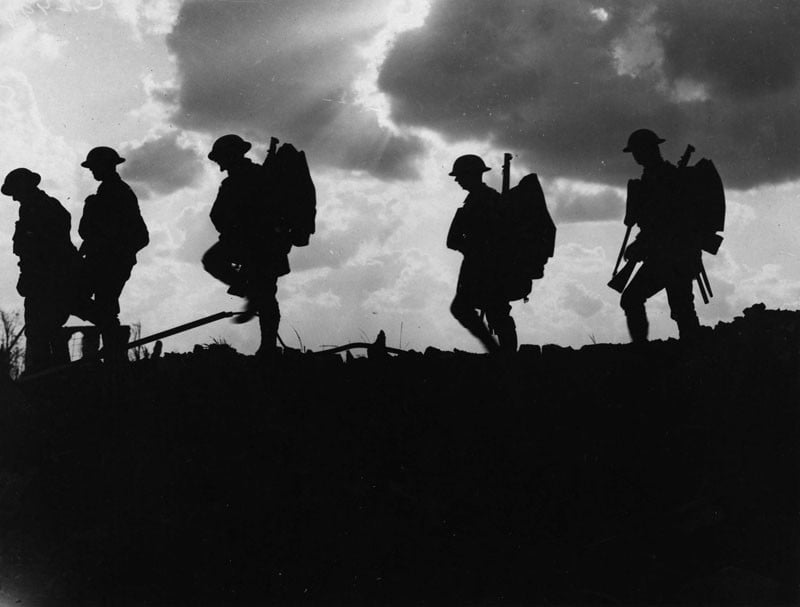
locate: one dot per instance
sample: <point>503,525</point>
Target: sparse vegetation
<point>139,352</point>
<point>299,340</point>
<point>12,350</point>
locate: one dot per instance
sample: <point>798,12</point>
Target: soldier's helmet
<point>20,179</point>
<point>641,139</point>
<point>229,146</point>
<point>102,156</point>
<point>469,163</point>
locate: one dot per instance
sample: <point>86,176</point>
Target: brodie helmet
<point>642,138</point>
<point>469,163</point>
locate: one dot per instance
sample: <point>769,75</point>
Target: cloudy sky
<point>382,97</point>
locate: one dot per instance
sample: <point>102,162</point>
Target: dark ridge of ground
<point>608,475</point>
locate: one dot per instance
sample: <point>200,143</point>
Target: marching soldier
<point>253,246</point>
<point>667,244</point>
<point>113,231</point>
<point>476,233</point>
<point>46,259</point>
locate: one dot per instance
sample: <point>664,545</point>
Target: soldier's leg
<point>646,283</point>
<point>500,321</point>
<point>269,316</point>
<point>80,298</point>
<point>107,292</point>
<point>218,261</point>
<point>466,314</point>
<point>106,297</point>
<point>36,345</point>
<point>680,296</point>
<point>58,345</point>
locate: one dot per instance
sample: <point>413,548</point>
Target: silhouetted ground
<point>607,475</point>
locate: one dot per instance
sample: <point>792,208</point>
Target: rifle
<point>619,280</point>
<point>270,157</point>
<point>506,172</point>
<point>505,187</point>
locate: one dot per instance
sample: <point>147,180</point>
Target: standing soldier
<point>113,231</point>
<point>667,243</point>
<point>253,247</point>
<point>476,232</point>
<point>46,258</point>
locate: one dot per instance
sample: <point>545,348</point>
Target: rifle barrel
<point>702,288</point>
<point>704,278</point>
<point>506,172</point>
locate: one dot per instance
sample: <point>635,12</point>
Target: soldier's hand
<point>634,252</point>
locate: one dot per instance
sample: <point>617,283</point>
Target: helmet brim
<point>88,164</point>
<point>454,173</point>
<point>628,148</point>
<point>215,155</point>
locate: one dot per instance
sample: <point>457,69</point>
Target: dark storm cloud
<point>564,83</point>
<point>161,165</point>
<point>740,48</point>
<point>285,69</point>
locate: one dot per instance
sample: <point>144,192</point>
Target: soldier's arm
<point>456,237</point>
<point>20,239</point>
<point>135,230</point>
<point>220,210</point>
<point>85,224</point>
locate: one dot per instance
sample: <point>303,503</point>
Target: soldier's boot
<point>638,327</point>
<point>238,290</point>
<point>249,312</point>
<point>90,342</point>
<point>238,284</point>
<point>471,321</point>
<point>59,347</point>
<point>115,343</point>
<point>506,331</point>
<point>481,332</point>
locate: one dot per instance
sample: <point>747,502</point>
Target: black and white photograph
<point>399,303</point>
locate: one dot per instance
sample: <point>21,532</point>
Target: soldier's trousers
<point>677,279</point>
<point>102,280</point>
<point>43,321</point>
<point>259,286</point>
<point>219,262</point>
<point>269,314</point>
<point>102,283</point>
<point>498,317</point>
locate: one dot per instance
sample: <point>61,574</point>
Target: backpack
<point>290,182</point>
<point>704,195</point>
<point>529,237</point>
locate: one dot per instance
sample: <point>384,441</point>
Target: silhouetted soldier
<point>113,231</point>
<point>666,244</point>
<point>46,260</point>
<point>252,251</point>
<point>476,232</point>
